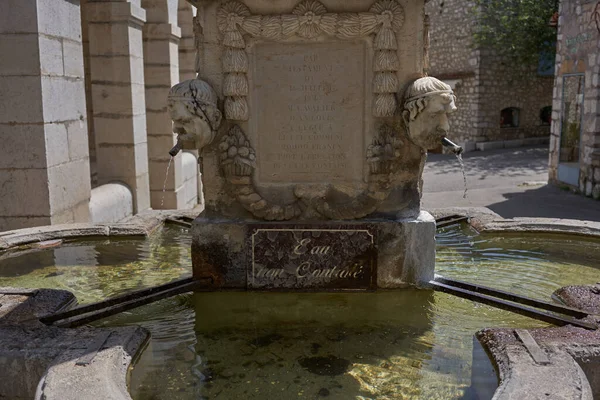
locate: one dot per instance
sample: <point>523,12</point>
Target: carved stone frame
<point>309,20</point>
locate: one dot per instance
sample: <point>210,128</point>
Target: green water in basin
<point>95,270</point>
<point>410,344</point>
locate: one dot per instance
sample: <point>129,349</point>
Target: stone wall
<point>452,59</point>
<point>450,35</point>
<point>463,122</point>
<point>578,52</point>
<point>483,82</point>
<point>502,84</point>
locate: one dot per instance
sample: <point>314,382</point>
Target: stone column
<point>187,64</point>
<point>44,162</point>
<point>161,67</point>
<point>88,96</point>
<point>187,47</point>
<point>117,77</point>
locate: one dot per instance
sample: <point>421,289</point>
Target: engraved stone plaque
<point>310,125</point>
<point>312,257</point>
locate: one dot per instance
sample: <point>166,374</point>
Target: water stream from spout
<point>162,200</point>
<point>462,168</point>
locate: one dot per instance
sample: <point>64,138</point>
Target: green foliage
<point>519,29</point>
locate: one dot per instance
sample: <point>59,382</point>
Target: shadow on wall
<point>548,202</point>
<point>518,162</point>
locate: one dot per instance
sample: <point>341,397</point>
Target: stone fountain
<point>313,121</point>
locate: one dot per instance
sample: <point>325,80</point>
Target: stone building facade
<point>575,140</point>
<point>84,125</point>
<point>499,103</point>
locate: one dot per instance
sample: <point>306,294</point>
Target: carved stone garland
<point>237,160</point>
<point>310,19</point>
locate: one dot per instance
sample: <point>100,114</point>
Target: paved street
<point>510,182</point>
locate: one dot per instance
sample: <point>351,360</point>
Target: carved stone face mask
<point>193,108</point>
<point>431,125</point>
<point>189,126</point>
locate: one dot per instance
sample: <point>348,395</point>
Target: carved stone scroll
<point>309,20</point>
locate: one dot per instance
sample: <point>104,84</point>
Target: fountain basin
<point>207,337</point>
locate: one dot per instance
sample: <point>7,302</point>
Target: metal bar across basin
<point>505,305</point>
<point>513,297</point>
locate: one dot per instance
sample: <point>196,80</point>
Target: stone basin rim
<point>144,224</point>
<point>141,225</point>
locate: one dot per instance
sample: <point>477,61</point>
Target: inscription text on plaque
<point>310,104</point>
<point>312,257</point>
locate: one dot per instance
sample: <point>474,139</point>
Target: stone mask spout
<point>193,106</point>
<point>428,104</point>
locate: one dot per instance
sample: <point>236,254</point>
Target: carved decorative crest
<point>309,20</point>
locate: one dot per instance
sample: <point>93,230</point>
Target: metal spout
<point>176,149</point>
<point>456,149</point>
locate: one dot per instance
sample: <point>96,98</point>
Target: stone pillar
<point>117,78</point>
<point>187,47</point>
<point>187,64</point>
<point>88,96</point>
<point>161,70</point>
<point>44,162</point>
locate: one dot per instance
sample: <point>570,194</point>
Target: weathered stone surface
<point>38,234</point>
<point>547,225</point>
<point>112,202</point>
<point>404,251</point>
<point>586,298</point>
<point>571,374</point>
<point>576,79</point>
<point>106,375</point>
<point>573,371</point>
<point>484,81</point>
<point>43,119</point>
<point>315,130</point>
<point>315,256</point>
<point>323,124</point>
<point>26,306</point>
<point>39,361</point>
<point>142,224</point>
<point>117,92</point>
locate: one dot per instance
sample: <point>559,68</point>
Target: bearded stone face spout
<point>429,102</point>
<point>196,118</point>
